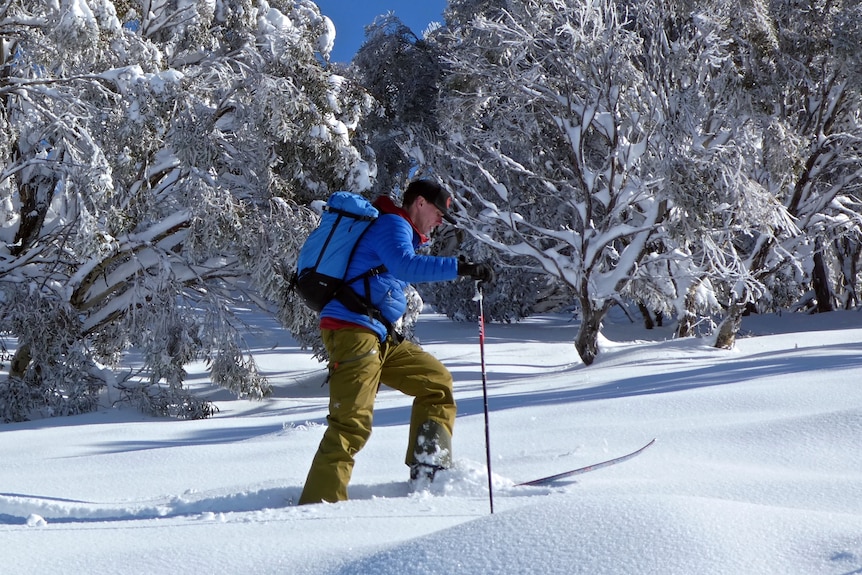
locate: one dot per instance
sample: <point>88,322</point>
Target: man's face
<point>425,215</point>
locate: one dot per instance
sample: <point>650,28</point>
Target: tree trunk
<point>20,361</point>
<point>848,251</point>
<point>726,335</point>
<point>689,318</point>
<point>820,277</point>
<point>685,328</point>
<point>648,322</point>
<point>587,340</point>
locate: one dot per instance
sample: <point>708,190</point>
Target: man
<point>364,351</point>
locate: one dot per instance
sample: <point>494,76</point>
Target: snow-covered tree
<point>663,152</point>
<point>776,147</point>
<point>157,154</point>
<point>548,127</point>
<point>401,71</point>
<point>817,130</point>
<point>724,220</point>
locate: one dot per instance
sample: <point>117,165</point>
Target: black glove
<point>482,272</point>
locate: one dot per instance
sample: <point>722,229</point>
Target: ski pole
<point>479,298</point>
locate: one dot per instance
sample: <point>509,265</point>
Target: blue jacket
<point>392,240</point>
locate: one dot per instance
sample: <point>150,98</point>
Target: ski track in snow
<point>465,479</point>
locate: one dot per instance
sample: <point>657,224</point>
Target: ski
<point>578,471</point>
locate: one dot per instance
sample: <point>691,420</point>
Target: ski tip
<point>551,478</point>
<point>649,443</point>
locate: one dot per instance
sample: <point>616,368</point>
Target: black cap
<point>432,192</point>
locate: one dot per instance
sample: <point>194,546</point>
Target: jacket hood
<point>385,205</point>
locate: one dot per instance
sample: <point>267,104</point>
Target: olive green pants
<point>358,363</point>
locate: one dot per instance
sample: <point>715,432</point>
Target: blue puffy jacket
<point>392,241</point>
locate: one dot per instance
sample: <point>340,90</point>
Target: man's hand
<point>482,272</point>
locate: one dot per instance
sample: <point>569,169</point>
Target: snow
<point>326,40</point>
<point>272,20</point>
<point>78,14</point>
<point>755,468</point>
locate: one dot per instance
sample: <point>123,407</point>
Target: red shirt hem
<point>333,323</point>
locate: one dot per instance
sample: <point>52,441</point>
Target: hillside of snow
<point>755,468</point>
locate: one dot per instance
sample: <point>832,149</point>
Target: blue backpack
<point>321,269</point>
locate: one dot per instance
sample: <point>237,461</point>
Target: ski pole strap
<point>478,296</point>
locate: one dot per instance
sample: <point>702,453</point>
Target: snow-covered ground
<point>756,467</point>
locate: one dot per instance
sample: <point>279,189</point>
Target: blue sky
<point>351,16</point>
